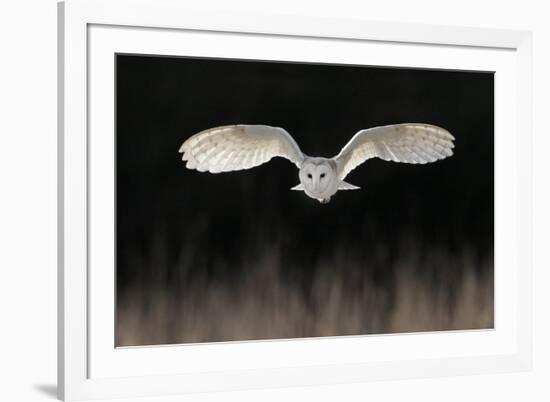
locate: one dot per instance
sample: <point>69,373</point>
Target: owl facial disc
<point>319,179</point>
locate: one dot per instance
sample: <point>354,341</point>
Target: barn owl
<point>242,146</point>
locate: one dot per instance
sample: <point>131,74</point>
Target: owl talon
<point>324,200</point>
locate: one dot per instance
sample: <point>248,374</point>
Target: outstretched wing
<point>407,142</point>
<point>237,147</point>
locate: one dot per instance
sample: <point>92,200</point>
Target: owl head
<point>318,177</point>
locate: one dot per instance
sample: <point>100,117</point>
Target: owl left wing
<point>407,142</point>
<point>238,147</point>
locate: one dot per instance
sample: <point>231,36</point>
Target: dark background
<point>222,219</point>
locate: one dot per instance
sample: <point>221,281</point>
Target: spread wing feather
<point>237,147</point>
<point>407,142</point>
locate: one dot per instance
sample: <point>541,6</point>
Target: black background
<point>164,208</point>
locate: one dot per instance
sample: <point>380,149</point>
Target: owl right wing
<point>407,142</point>
<point>238,147</point>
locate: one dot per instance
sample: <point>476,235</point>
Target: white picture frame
<point>90,32</point>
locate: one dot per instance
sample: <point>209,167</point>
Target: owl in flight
<point>242,146</point>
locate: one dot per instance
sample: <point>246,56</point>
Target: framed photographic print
<point>253,201</point>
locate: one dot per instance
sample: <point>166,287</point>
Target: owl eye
<point>322,175</point>
<point>309,176</point>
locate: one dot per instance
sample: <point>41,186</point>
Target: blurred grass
<point>441,291</point>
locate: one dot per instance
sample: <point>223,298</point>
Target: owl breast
<point>319,178</point>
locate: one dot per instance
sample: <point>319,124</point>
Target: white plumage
<point>238,147</point>
<point>227,148</point>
